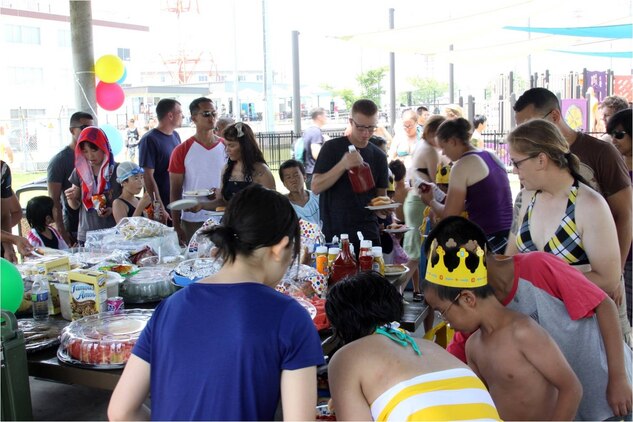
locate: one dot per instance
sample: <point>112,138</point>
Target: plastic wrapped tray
<point>102,341</point>
<point>149,284</point>
<point>39,335</point>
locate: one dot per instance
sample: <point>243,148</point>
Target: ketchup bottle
<point>344,264</point>
<point>360,177</point>
<point>365,256</point>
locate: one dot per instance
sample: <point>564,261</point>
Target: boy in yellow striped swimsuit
<point>382,373</point>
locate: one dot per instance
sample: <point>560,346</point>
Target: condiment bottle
<point>321,260</point>
<point>360,177</point>
<point>332,253</point>
<point>365,256</point>
<point>379,263</point>
<point>344,264</point>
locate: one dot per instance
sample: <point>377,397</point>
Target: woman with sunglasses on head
<point>94,186</point>
<point>245,165</point>
<point>560,213</point>
<point>478,184</point>
<point>619,128</point>
<point>229,346</point>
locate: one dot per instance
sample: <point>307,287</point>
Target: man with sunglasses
<point>342,210</point>
<point>196,165</point>
<point>59,169</point>
<point>601,165</point>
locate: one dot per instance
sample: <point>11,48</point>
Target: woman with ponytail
<point>478,184</point>
<point>229,347</point>
<point>559,212</point>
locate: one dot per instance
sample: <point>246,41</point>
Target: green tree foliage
<point>346,94</point>
<point>426,91</point>
<point>371,84</point>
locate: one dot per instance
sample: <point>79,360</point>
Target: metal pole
<point>296,91</point>
<point>83,55</point>
<point>451,80</point>
<point>237,110</point>
<point>392,78</point>
<point>268,74</point>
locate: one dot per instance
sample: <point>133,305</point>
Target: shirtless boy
<point>525,371</point>
<point>382,373</point>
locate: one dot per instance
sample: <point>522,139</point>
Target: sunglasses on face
<point>208,113</point>
<point>618,134</point>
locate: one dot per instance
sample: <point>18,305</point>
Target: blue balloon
<point>120,81</point>
<point>114,138</point>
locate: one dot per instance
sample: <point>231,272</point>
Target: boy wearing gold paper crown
<point>525,371</point>
<point>579,316</point>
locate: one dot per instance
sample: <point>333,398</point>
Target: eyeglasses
<point>442,314</point>
<point>516,164</point>
<point>618,134</point>
<point>407,126</point>
<point>370,129</point>
<point>548,113</point>
<point>208,113</point>
<point>82,127</point>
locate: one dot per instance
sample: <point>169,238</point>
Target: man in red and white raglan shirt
<point>196,165</point>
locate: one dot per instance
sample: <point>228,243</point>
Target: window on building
<point>203,78</point>
<point>25,113</point>
<point>260,78</point>
<point>123,53</point>
<point>19,75</point>
<point>241,78</point>
<point>22,34</point>
<point>63,38</point>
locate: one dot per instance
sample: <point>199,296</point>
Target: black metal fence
<point>279,146</point>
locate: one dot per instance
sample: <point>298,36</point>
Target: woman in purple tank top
<point>478,184</point>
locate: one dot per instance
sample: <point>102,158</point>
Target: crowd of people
<point>537,289</point>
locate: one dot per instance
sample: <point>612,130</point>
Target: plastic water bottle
<point>39,297</point>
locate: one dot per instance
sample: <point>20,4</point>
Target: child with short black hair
<point>39,214</point>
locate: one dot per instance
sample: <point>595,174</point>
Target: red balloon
<point>110,96</point>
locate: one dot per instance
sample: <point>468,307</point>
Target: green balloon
<point>12,287</point>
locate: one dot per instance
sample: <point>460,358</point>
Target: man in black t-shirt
<point>342,210</point>
<point>59,169</point>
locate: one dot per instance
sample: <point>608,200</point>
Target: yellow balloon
<point>109,68</point>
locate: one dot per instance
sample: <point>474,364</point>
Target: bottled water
<point>39,297</point>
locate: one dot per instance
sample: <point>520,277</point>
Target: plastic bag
<point>141,227</point>
<point>302,281</point>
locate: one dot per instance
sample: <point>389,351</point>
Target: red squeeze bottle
<point>360,177</point>
<point>366,256</point>
<point>344,264</point>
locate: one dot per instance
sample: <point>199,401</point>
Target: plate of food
<point>182,204</point>
<point>198,192</point>
<point>218,211</point>
<point>389,206</point>
<point>124,270</point>
<point>397,228</point>
<point>395,269</point>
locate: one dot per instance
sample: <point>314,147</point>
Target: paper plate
<point>398,230</point>
<point>395,270</point>
<point>197,193</point>
<point>182,204</point>
<point>383,207</point>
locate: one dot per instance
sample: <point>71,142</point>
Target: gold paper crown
<point>461,276</point>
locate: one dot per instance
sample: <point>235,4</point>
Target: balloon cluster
<point>111,73</point>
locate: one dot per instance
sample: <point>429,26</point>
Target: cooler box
<point>16,393</point>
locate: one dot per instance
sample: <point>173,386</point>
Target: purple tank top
<point>489,201</point>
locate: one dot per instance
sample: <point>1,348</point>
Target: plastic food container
<point>102,341</point>
<point>112,283</point>
<point>149,284</point>
<point>192,270</point>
